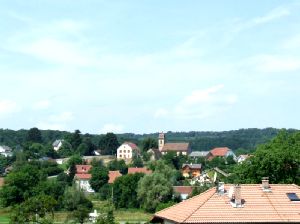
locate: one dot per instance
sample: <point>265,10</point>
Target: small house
<point>191,170</point>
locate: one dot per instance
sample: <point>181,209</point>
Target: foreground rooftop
<point>257,206</point>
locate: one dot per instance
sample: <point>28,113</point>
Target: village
<point>164,182</point>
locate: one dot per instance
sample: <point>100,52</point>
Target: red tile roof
<point>85,176</point>
<point>83,168</point>
<point>176,147</point>
<point>132,145</point>
<point>132,170</point>
<point>183,189</point>
<point>1,181</point>
<point>113,175</point>
<point>222,151</point>
<point>258,207</point>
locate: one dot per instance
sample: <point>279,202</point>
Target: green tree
<point>279,160</point>
<point>137,161</point>
<point>109,144</point>
<point>34,135</point>
<point>149,143</point>
<point>99,178</point>
<point>34,209</point>
<point>76,139</point>
<point>125,191</point>
<point>118,165</point>
<point>73,198</point>
<point>154,189</point>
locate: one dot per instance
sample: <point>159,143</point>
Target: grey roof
<point>56,142</point>
<point>192,166</point>
<point>199,153</point>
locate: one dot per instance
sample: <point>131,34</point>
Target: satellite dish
<point>215,177</point>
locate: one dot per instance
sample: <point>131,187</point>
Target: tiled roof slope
<point>83,168</point>
<point>113,175</point>
<point>259,207</point>
<point>85,176</point>
<point>219,151</point>
<point>175,147</point>
<point>132,145</point>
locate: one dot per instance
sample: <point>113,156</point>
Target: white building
<point>5,151</point>
<point>57,144</point>
<point>127,150</point>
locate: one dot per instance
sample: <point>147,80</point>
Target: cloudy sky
<point>146,66</point>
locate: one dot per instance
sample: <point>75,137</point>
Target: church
<point>179,147</point>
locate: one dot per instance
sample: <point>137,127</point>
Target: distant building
<point>5,151</point>
<point>177,147</point>
<point>221,152</point>
<point>57,144</point>
<point>133,170</point>
<point>199,154</point>
<point>155,154</point>
<point>82,177</point>
<point>113,175</point>
<point>191,170</point>
<point>127,150</point>
<point>183,191</point>
<point>242,158</point>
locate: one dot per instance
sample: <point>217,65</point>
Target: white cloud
<point>275,63</point>
<point>201,104</point>
<point>272,15</point>
<point>7,107</point>
<point>115,128</point>
<point>42,105</point>
<point>62,117</point>
<point>161,112</point>
<point>56,121</point>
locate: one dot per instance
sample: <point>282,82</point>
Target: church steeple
<point>161,141</point>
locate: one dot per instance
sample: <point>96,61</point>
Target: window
<point>293,196</point>
<point>128,151</point>
<point>120,151</point>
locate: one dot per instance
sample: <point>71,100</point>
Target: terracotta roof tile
<point>183,189</point>
<point>259,207</point>
<point>85,176</point>
<point>132,170</point>
<point>113,175</point>
<point>83,168</point>
<point>175,147</point>
<point>132,145</point>
<point>219,151</point>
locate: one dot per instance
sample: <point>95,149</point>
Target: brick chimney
<point>237,195</point>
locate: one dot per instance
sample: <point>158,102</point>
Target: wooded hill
<point>246,139</point>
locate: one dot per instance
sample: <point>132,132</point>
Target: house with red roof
<point>133,170</point>
<point>127,150</point>
<point>82,177</point>
<point>239,204</point>
<point>221,152</point>
<point>113,175</point>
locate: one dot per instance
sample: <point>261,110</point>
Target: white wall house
<point>57,144</point>
<point>127,150</point>
<point>5,151</point>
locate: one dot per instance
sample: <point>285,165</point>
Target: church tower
<point>161,141</point>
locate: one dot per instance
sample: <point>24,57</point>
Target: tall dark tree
<point>76,139</point>
<point>99,177</point>
<point>149,143</point>
<point>109,144</point>
<point>34,135</point>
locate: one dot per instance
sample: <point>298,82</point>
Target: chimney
<point>221,188</point>
<point>265,184</point>
<point>237,195</point>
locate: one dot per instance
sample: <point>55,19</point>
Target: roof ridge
<point>200,205</point>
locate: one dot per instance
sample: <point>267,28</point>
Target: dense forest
<point>246,139</point>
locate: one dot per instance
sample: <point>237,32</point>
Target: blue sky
<point>146,66</point>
